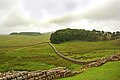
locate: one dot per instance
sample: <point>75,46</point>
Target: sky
<point>51,15</point>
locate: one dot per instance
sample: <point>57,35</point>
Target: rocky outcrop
<point>51,74</point>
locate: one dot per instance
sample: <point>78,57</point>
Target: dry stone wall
<point>66,58</point>
<point>55,73</point>
<point>101,61</point>
<point>87,64</point>
<point>51,74</point>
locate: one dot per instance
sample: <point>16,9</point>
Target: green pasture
<point>108,71</point>
<point>42,57</point>
<point>37,57</point>
<point>86,51</point>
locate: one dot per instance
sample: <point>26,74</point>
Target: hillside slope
<point>109,71</point>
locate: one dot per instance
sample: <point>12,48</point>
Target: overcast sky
<point>50,15</point>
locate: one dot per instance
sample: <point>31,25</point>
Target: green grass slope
<point>41,56</point>
<point>109,71</point>
<point>19,40</point>
<point>86,51</point>
<point>37,57</point>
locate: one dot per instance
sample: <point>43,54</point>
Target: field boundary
<point>51,74</point>
<point>69,59</point>
<point>82,62</point>
<point>61,74</point>
<point>23,45</point>
<point>56,51</point>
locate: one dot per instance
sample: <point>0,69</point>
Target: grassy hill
<point>18,40</point>
<point>41,56</point>
<point>36,57</point>
<point>109,71</point>
<point>86,51</point>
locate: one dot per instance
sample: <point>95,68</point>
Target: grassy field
<point>86,51</point>
<point>19,40</point>
<point>109,71</point>
<point>36,57</point>
<point>41,56</point>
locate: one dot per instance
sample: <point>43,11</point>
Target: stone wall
<point>55,73</point>
<point>66,58</point>
<point>87,64</point>
<point>101,61</point>
<point>51,74</point>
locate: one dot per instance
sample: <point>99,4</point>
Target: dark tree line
<point>83,35</point>
<point>26,33</point>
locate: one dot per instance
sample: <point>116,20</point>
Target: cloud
<point>47,9</point>
<point>50,15</point>
<point>15,19</point>
<point>110,10</point>
<point>7,6</point>
<point>11,15</point>
<point>105,11</point>
<point>104,16</point>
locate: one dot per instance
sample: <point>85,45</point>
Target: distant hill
<point>26,33</point>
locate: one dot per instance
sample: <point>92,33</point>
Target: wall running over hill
<point>69,59</point>
<point>98,62</point>
<point>56,73</point>
<point>102,61</point>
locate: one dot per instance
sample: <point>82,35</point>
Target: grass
<point>38,57</point>
<point>109,71</point>
<point>19,40</point>
<point>86,51</point>
<point>41,56</point>
<point>32,58</point>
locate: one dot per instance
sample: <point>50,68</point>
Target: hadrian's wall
<point>101,61</point>
<point>51,74</point>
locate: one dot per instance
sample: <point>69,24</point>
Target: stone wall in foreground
<point>55,73</point>
<point>51,74</point>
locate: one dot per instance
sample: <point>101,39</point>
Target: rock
<point>1,78</point>
<point>24,77</point>
<point>19,78</point>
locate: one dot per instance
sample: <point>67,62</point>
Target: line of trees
<point>26,33</point>
<point>68,34</point>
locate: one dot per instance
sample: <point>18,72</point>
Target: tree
<point>26,33</point>
<point>68,34</point>
<point>14,33</point>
